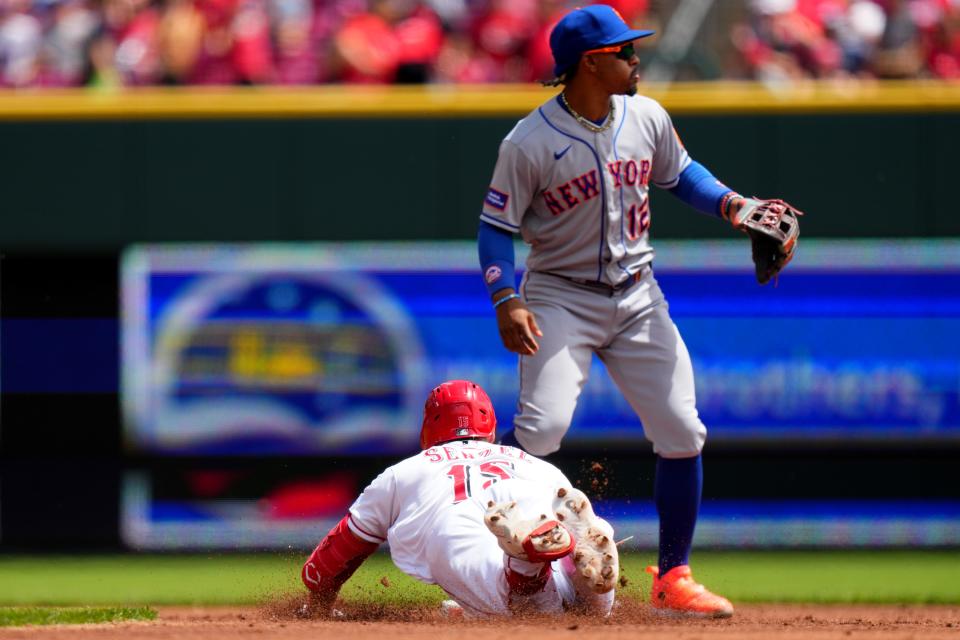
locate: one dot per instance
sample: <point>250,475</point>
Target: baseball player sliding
<point>497,529</point>
<point>573,178</point>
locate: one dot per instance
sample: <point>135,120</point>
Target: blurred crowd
<point>57,43</point>
<point>790,39</point>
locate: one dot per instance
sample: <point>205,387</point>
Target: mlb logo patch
<point>492,274</point>
<point>496,199</point>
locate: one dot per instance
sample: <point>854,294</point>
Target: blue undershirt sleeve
<point>495,246</point>
<point>700,189</point>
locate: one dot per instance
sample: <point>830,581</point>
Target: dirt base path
<point>629,622</point>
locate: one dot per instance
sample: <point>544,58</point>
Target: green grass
<point>893,577</point>
<point>807,576</point>
<point>19,616</point>
<point>146,579</point>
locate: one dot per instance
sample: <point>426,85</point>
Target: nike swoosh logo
<point>559,154</point>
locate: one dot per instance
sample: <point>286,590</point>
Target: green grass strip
<point>148,579</point>
<point>836,576</point>
<point>19,616</point>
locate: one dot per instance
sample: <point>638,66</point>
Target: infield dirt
<point>630,621</point>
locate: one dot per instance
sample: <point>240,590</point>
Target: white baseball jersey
<point>581,199</point>
<point>430,509</point>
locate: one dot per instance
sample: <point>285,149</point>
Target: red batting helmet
<point>457,410</point>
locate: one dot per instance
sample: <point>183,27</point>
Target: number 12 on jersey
<point>490,472</point>
<point>638,219</point>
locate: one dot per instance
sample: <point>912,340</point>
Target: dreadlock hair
<point>563,78</point>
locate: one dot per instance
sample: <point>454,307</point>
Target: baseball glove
<point>774,228</point>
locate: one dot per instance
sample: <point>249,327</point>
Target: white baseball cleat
<point>540,539</point>
<point>595,554</point>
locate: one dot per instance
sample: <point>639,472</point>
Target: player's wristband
<point>504,299</point>
<point>725,204</point>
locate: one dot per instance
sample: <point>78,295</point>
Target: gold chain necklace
<point>587,123</point>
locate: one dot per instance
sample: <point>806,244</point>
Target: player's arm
<point>515,180</point>
<point>517,325</point>
<point>684,177</point>
<point>350,542</point>
<point>697,187</point>
<point>772,225</point>
<point>332,563</point>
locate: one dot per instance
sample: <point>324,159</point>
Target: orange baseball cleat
<point>678,594</point>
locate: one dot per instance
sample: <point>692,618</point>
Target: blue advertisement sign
<point>326,349</point>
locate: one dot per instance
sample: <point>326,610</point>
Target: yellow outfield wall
<point>447,101</point>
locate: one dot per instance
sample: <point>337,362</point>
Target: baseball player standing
<point>497,529</point>
<point>573,178</point>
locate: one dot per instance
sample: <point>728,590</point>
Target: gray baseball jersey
<point>581,199</point>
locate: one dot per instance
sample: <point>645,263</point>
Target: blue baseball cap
<point>587,28</point>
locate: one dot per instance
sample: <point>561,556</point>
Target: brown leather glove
<point>774,229</point>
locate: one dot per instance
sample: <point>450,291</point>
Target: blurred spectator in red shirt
<point>130,26</point>
<point>784,43</point>
<point>236,46</point>
<point>503,32</point>
<point>252,52</point>
<point>421,36</point>
<point>944,54</point>
<point>463,63</point>
<point>395,41</point>
<point>365,50</point>
<point>539,55</point>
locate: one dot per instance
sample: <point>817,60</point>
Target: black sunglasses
<point>624,51</point>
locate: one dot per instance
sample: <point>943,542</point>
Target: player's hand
<point>319,604</point>
<point>518,327</point>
